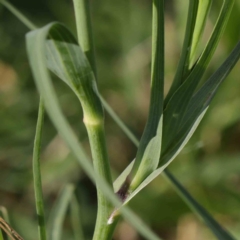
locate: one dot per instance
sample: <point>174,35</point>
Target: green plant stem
<point>101,164</point>
<point>37,173</point>
<point>96,131</point>
<point>84,30</point>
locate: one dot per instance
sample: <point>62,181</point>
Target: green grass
<point>171,120</point>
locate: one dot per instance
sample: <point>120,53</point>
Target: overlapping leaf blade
<point>176,107</point>
<point>200,102</point>
<point>197,109</point>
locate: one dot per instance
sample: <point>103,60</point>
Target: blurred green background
<point>209,166</point>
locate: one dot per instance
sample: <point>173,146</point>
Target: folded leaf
<point>66,59</point>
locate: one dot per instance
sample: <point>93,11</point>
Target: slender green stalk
<point>95,130</point>
<point>84,30</point>
<point>101,164</point>
<point>18,14</point>
<point>119,122</point>
<point>219,232</point>
<point>37,173</point>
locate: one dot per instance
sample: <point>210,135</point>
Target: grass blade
<point>119,122</point>
<point>149,149</point>
<point>37,173</point>
<point>203,10</point>
<point>36,52</point>
<point>18,14</point>
<point>184,59</point>
<point>58,213</point>
<point>76,219</point>
<point>204,95</point>
<point>219,232</point>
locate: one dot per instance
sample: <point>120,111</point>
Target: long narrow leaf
<point>184,59</point>
<point>58,213</point>
<point>37,174</point>
<point>119,122</point>
<point>203,10</point>
<point>156,173</point>
<point>219,232</point>
<point>18,14</point>
<point>36,46</point>
<point>149,149</point>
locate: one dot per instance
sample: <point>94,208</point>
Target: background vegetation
<point>208,167</point>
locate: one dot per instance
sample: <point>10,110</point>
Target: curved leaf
<point>36,46</point>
